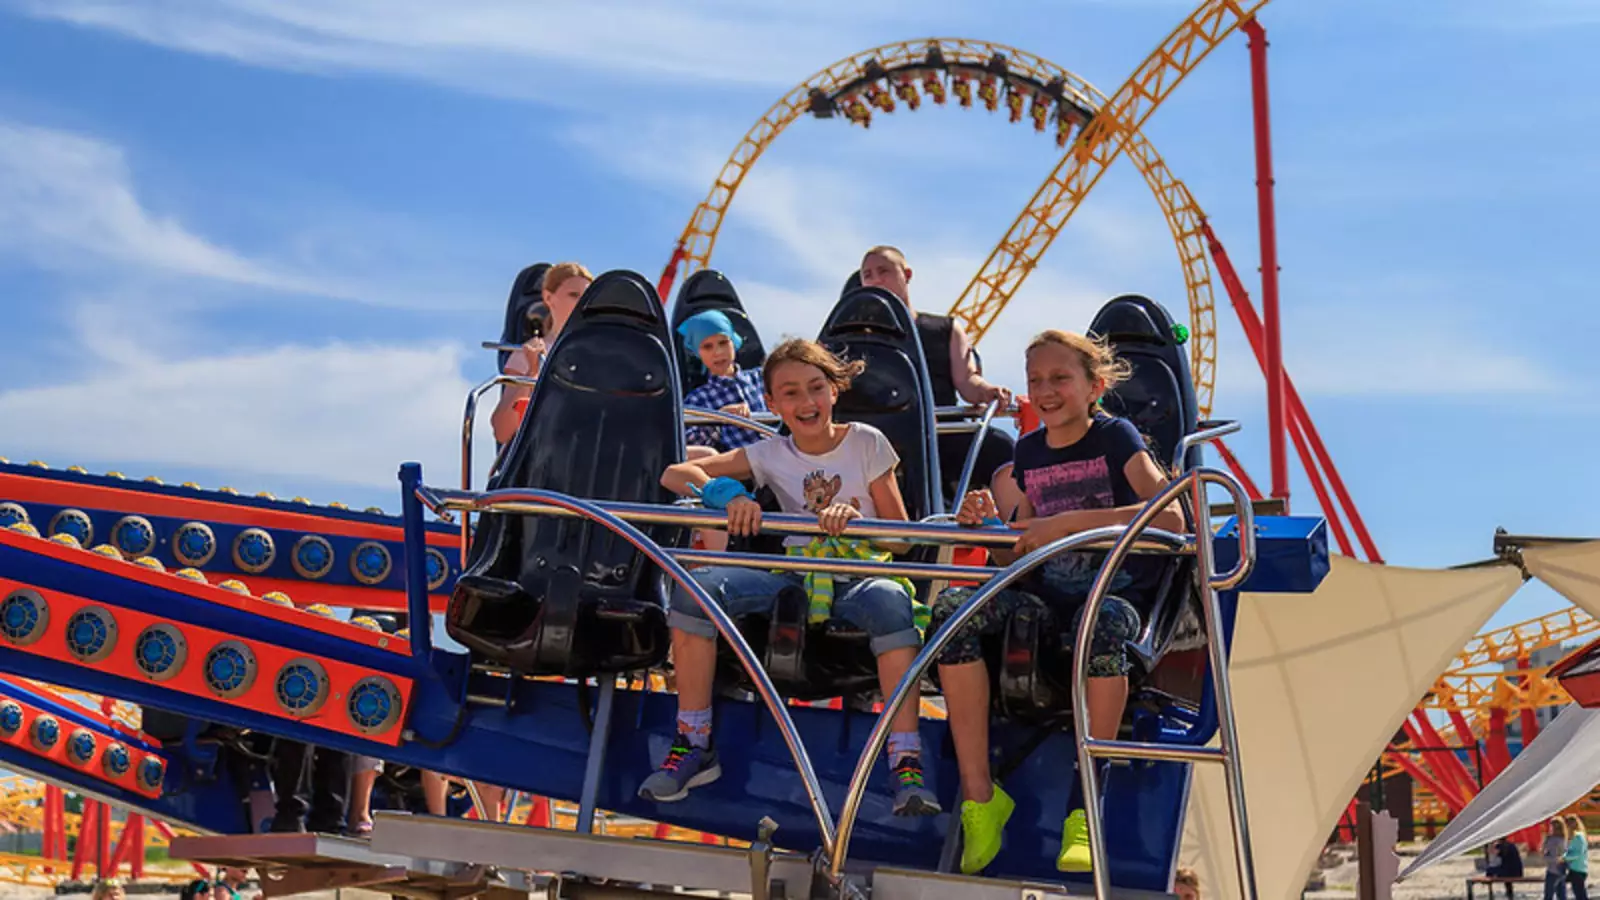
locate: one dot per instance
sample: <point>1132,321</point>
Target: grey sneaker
<point>685,767</point>
<point>911,798</point>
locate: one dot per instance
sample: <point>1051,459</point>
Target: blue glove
<point>719,492</point>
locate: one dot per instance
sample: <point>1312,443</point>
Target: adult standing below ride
<point>1554,851</point>
<point>564,284</point>
<point>952,372</point>
<point>1577,858</point>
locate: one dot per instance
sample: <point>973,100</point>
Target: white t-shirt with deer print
<point>807,484</point>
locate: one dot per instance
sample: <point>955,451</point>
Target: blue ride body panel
<point>539,742</point>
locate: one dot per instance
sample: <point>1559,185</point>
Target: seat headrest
<point>869,310</point>
<point>708,288</point>
<point>1134,319</point>
<point>530,281</point>
<point>526,293</point>
<point>850,284</point>
<point>620,293</point>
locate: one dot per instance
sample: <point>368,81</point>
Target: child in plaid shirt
<point>728,387</point>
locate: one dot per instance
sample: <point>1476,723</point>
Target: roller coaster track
<point>875,78</point>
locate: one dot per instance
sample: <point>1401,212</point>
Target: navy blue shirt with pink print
<point>1089,474</point>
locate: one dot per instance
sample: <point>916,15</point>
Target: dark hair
<point>838,372</point>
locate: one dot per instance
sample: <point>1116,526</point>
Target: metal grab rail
<point>1194,482</point>
<point>468,421</point>
<point>511,500</point>
<point>858,568</point>
<point>693,415</point>
<point>1209,431</point>
<point>933,647</point>
<point>972,451</point>
<point>725,627</point>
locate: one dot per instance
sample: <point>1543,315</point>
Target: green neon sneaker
<point>981,828</point>
<point>1075,856</point>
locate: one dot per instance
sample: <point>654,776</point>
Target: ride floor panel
<point>299,863</point>
<point>667,865</point>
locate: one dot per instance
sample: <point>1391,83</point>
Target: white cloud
<point>500,47</point>
<point>65,198</point>
<point>1419,342</point>
<point>336,413</point>
<point>71,203</point>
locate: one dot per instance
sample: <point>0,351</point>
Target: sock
<point>695,724</point>
<point>1075,800</point>
<point>902,745</point>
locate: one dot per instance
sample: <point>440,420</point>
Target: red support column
<point>669,275</point>
<point>1237,468</point>
<point>1438,787</point>
<point>1330,512</point>
<point>55,825</point>
<point>1253,330</point>
<point>166,832</point>
<point>136,864</point>
<point>1276,417</point>
<point>1450,770</point>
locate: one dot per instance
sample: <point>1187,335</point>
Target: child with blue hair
<point>711,336</point>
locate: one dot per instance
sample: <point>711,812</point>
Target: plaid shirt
<point>744,387</point>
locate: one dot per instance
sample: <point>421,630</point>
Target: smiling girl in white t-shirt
<point>837,472</point>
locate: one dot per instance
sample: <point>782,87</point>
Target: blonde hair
<point>1575,827</point>
<point>800,350</point>
<point>892,254</point>
<point>1559,826</point>
<point>104,887</point>
<point>1100,362</point>
<point>558,274</point>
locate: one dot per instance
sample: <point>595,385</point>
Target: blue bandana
<point>700,326</point>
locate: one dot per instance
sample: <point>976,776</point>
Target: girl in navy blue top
<point>1083,469</point>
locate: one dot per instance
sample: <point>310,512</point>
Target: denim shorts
<point>877,606</point>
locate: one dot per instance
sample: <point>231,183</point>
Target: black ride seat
<point>809,662</point>
<point>560,596</point>
<point>523,308</point>
<point>1035,655</point>
<point>704,290</point>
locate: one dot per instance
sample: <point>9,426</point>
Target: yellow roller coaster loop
<point>1107,135</point>
<point>876,78</point>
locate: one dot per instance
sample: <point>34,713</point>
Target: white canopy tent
<point>1562,764</point>
<point>1321,682</point>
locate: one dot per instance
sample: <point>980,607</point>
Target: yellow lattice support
<point>1105,138</point>
<point>891,67</point>
<point>1517,641</point>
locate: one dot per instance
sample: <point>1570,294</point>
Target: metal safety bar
<point>515,500</point>
<point>973,448</point>
<point>697,416</point>
<point>942,638</point>
<point>1194,484</point>
<point>859,568</point>
<point>1207,432</point>
<point>961,414</point>
<point>468,421</point>
<point>512,499</point>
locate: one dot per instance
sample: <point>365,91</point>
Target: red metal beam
<point>1277,417</point>
<point>1250,323</point>
<point>668,275</point>
<point>1447,765</point>
<point>1330,512</point>
<point>1237,468</point>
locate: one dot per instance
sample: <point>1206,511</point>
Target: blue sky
<point>257,244</point>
